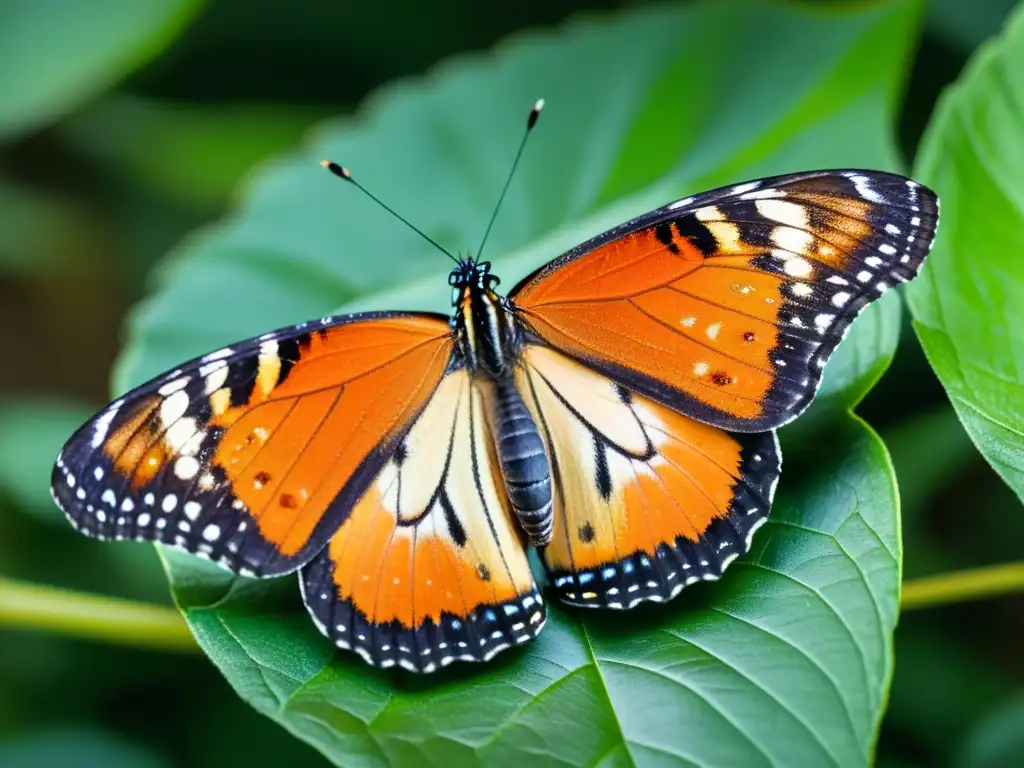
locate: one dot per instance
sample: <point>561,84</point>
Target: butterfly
<point>616,411</point>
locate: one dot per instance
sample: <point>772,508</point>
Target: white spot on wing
<point>215,380</point>
<point>173,408</point>
<point>863,186</point>
<point>739,189</point>
<point>180,433</point>
<point>802,290</point>
<point>680,203</point>
<point>173,386</point>
<point>186,467</point>
<point>102,426</point>
<point>761,194</point>
<point>784,212</point>
<point>220,353</point>
<point>796,266</point>
<point>795,240</point>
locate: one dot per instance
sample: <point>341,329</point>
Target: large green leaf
<point>968,306</point>
<point>788,659</point>
<point>56,54</point>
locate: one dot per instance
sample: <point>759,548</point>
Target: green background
<point>159,196</point>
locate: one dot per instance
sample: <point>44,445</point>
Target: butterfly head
<point>470,276</point>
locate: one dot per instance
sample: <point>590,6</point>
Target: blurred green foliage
<point>108,162</point>
<point>969,307</point>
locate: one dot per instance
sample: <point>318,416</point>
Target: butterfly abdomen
<point>524,463</point>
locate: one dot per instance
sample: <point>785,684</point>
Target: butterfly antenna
<point>344,173</point>
<point>530,122</point>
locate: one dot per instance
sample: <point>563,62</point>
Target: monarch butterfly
<point>616,411</point>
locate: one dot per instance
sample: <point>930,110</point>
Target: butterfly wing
<point>647,500</point>
<point>430,566</point>
<point>726,306</point>
<point>254,454</point>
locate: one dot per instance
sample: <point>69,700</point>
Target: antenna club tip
<point>336,169</point>
<point>534,114</point>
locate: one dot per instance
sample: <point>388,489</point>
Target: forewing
<point>647,500</point>
<point>430,567</point>
<point>253,455</point>
<point>726,306</point>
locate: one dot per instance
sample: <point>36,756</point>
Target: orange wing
<point>726,306</point>
<point>253,455</point>
<point>430,566</point>
<point>647,501</point>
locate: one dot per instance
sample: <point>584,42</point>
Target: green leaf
<point>788,659</point>
<point>968,306</point>
<point>32,431</point>
<point>54,55</point>
<point>784,662</point>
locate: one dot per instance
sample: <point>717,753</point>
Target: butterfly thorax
<point>490,342</point>
<point>487,334</point>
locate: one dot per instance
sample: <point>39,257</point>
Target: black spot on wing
<point>289,350</point>
<point>586,532</point>
<point>243,379</point>
<point>452,520</point>
<point>663,232</point>
<point>693,229</point>
<point>602,475</point>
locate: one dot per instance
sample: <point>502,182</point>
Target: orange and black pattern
<point>727,305</point>
<point>648,501</point>
<point>252,455</point>
<point>617,409</point>
<point>430,567</point>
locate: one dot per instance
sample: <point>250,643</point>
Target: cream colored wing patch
<point>429,567</point>
<point>646,499</point>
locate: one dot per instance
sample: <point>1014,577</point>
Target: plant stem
<point>113,620</point>
<point>959,586</point>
